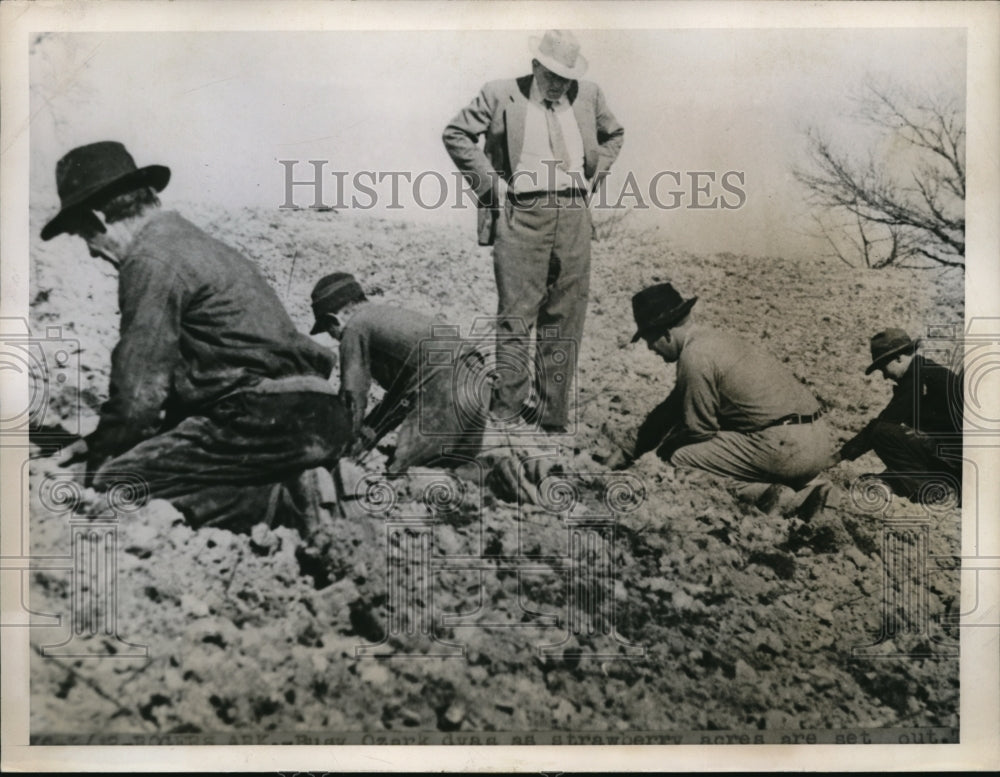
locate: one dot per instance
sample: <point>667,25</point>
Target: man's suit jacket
<point>498,111</point>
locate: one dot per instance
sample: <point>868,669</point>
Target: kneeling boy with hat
<point>216,402</point>
<point>436,385</point>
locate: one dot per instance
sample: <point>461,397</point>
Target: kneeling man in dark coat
<point>919,433</point>
<point>215,398</point>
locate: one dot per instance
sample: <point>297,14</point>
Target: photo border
<point>980,660</point>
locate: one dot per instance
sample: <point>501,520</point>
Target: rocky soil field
<point>650,600</point>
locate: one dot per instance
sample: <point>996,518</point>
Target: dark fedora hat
<point>887,345</point>
<point>657,308</point>
<point>331,293</point>
<point>88,172</point>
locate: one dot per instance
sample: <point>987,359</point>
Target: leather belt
<point>524,198</point>
<point>794,418</point>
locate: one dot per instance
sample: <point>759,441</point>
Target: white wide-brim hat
<point>559,51</point>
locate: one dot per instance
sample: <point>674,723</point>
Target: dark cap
<point>887,345</point>
<point>331,293</point>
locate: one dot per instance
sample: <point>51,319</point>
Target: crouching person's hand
<point>619,460</point>
<point>72,454</point>
<point>364,442</point>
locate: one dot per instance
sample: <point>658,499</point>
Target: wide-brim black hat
<point>88,173</point>
<point>887,345</point>
<point>657,308</point>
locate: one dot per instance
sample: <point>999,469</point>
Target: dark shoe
<point>823,495</point>
<point>555,429</point>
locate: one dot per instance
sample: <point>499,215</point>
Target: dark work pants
<point>447,415</point>
<point>221,468</point>
<point>911,458</point>
<point>541,261</point>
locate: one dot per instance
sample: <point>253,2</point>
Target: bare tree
<point>906,200</point>
<point>851,238</point>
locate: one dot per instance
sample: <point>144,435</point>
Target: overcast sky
<point>221,108</point>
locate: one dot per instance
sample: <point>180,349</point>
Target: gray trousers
<point>792,455</point>
<point>541,260</point>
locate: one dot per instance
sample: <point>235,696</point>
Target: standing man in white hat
<point>549,140</point>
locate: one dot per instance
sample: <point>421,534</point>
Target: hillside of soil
<point>651,599</point>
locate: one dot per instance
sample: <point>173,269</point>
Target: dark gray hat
<point>331,293</point>
<point>887,345</point>
<point>87,173</point>
<point>657,308</point>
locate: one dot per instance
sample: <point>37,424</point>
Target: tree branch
<point>925,218</point>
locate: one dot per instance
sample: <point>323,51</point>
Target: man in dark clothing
<point>436,386</point>
<point>918,435</point>
<point>214,396</point>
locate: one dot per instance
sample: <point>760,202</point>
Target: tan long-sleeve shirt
<point>728,384</point>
